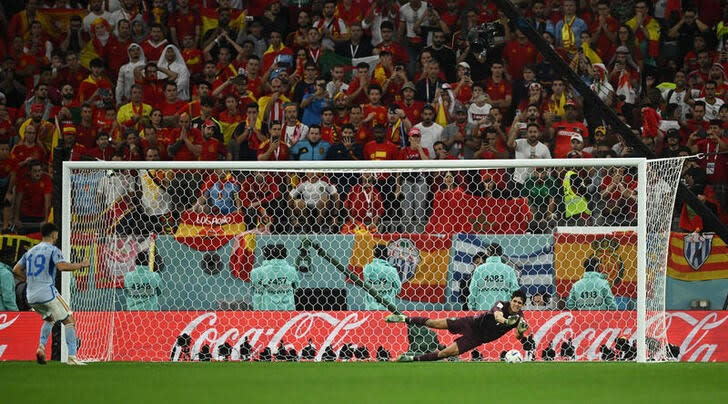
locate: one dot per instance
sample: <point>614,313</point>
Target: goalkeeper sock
<point>432,356</point>
<point>45,331</point>
<point>416,320</point>
<point>71,339</point>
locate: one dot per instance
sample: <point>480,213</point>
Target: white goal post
<point>655,184</point>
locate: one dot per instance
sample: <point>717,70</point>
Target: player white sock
<point>71,339</point>
<point>45,331</point>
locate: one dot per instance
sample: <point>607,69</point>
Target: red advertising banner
<point>701,335</point>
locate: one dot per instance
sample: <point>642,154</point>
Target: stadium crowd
<point>206,80</point>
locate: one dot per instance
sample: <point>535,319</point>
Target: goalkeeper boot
<point>74,362</point>
<point>405,358</point>
<point>40,355</point>
<point>395,318</point>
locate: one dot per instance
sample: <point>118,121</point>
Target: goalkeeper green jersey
<point>592,292</point>
<point>384,278</point>
<point>274,285</point>
<point>492,281</point>
<point>142,289</point>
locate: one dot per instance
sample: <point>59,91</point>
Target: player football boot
<point>405,358</point>
<point>74,362</point>
<point>395,318</point>
<point>40,355</point>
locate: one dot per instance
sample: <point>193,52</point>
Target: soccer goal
<point>302,261</point>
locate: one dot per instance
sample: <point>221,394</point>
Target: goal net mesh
<point>268,265</point>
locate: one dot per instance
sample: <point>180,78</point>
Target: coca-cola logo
<point>203,331</point>
<point>587,340</point>
<point>5,322</point>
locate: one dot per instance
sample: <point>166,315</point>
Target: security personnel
<point>274,282</point>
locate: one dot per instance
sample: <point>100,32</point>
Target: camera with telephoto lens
<point>486,38</point>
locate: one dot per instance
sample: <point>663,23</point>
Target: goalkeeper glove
<point>522,326</point>
<point>511,320</point>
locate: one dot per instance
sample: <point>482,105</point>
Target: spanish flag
<point>697,257</point>
<point>421,259</point>
<point>617,253</point>
<point>204,232</point>
<point>242,255</point>
<point>55,21</point>
<point>209,19</point>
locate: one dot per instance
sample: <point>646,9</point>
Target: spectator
<point>563,131</point>
<point>275,281</point>
<point>33,199</point>
<point>273,149</point>
<point>333,29</point>
<point>646,32</point>
<point>314,198</point>
<point>592,291</point>
<point>313,104</point>
<point>27,152</point>
<point>131,114</point>
<point>413,186</point>
<point>346,148</point>
<point>95,87</point>
<point>714,165</point>
<point>358,46</point>
<point>293,129</point>
<point>492,280</point>
<point>260,197</point>
<point>364,202</point>
<point>460,136</point>
<point>172,66</point>
<point>220,194</point>
<point>528,148</point>
<point>431,131</point>
<point>567,30</point>
<point>312,147</point>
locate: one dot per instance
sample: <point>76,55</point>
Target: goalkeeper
<point>473,330</point>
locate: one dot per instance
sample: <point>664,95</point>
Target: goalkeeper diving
<point>473,330</point>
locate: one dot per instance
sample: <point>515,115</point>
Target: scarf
<point>567,35</point>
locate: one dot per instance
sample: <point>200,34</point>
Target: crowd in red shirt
<point>202,80</point>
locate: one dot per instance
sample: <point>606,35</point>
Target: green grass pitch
<point>370,382</point>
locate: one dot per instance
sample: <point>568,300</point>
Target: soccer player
<point>474,330</point>
<point>383,277</point>
<point>38,268</point>
<point>274,282</point>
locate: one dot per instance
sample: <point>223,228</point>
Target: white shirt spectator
<point>312,192</point>
<point>430,135</point>
<point>409,16</point>
<point>526,151</point>
<point>476,113</point>
<point>126,77</point>
<point>712,110</point>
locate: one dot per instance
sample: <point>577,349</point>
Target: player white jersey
<point>40,267</point>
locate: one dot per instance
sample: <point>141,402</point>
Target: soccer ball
<point>513,356</point>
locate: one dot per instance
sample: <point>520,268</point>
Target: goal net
<point>288,261</point>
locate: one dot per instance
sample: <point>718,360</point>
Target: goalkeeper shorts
<point>465,326</point>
